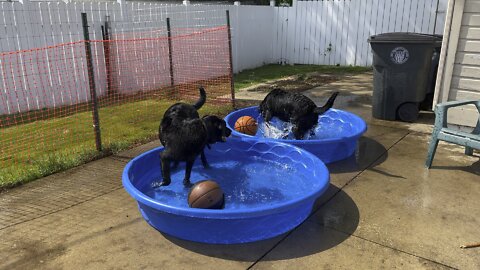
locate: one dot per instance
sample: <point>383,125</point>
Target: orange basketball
<point>206,194</point>
<point>247,125</point>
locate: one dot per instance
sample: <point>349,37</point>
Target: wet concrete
<point>383,210</point>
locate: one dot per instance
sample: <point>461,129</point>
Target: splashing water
<point>276,129</point>
<point>246,183</point>
<point>332,124</point>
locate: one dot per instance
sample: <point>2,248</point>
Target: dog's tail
<point>328,105</point>
<point>202,99</point>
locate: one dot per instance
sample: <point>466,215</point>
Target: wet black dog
<point>184,136</point>
<point>294,108</point>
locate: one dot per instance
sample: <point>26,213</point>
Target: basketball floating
<point>247,125</point>
<point>206,194</point>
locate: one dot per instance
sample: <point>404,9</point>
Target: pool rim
<point>300,142</point>
<point>140,197</point>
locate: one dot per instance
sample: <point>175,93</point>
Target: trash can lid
<point>405,37</point>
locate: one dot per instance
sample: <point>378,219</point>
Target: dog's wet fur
<point>184,136</point>
<point>294,108</point>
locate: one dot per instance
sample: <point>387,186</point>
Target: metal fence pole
<point>106,53</point>
<point>232,86</point>
<point>91,82</point>
<point>170,53</point>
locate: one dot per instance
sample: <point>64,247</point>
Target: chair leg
<point>432,148</point>
<point>476,130</point>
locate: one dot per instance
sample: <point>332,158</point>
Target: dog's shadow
<point>327,227</point>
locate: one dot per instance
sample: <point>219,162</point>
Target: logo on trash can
<point>399,55</point>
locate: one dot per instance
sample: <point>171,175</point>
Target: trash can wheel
<point>408,112</point>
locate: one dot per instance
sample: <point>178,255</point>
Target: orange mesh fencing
<point>46,119</point>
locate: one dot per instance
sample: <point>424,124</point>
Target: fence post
<point>106,54</point>
<point>170,53</point>
<point>232,85</point>
<point>91,82</point>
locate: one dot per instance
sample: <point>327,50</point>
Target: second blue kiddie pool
<point>335,138</point>
<point>270,188</point>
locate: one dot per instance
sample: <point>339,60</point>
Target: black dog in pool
<point>294,108</point>
<point>184,136</point>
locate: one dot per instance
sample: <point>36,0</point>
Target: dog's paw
<point>187,184</point>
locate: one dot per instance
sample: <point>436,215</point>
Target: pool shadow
<point>328,226</point>
<point>368,154</point>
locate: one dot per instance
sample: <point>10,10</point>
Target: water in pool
<point>330,125</point>
<point>246,184</point>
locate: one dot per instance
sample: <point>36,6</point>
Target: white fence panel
<point>299,34</point>
<point>31,25</point>
<point>253,37</point>
<point>336,31</point>
<point>312,32</point>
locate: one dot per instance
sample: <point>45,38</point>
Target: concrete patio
<point>383,210</point>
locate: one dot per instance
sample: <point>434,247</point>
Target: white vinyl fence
<point>335,32</point>
<point>310,32</point>
<point>37,24</point>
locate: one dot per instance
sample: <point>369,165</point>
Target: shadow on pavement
<point>321,231</point>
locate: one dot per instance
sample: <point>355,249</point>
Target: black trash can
<point>404,75</point>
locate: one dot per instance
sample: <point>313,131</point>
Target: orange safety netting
<point>46,119</point>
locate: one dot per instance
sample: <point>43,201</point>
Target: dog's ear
<point>207,120</point>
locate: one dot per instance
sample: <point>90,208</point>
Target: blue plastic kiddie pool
<point>270,188</point>
<point>335,138</point>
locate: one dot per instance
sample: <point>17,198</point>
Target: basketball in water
<point>206,194</point>
<point>247,125</point>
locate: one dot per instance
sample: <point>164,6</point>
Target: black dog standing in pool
<point>294,108</point>
<point>184,136</point>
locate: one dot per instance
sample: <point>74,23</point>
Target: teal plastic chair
<point>442,132</point>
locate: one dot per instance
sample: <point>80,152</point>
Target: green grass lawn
<point>266,73</point>
<point>47,146</point>
<point>39,148</point>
